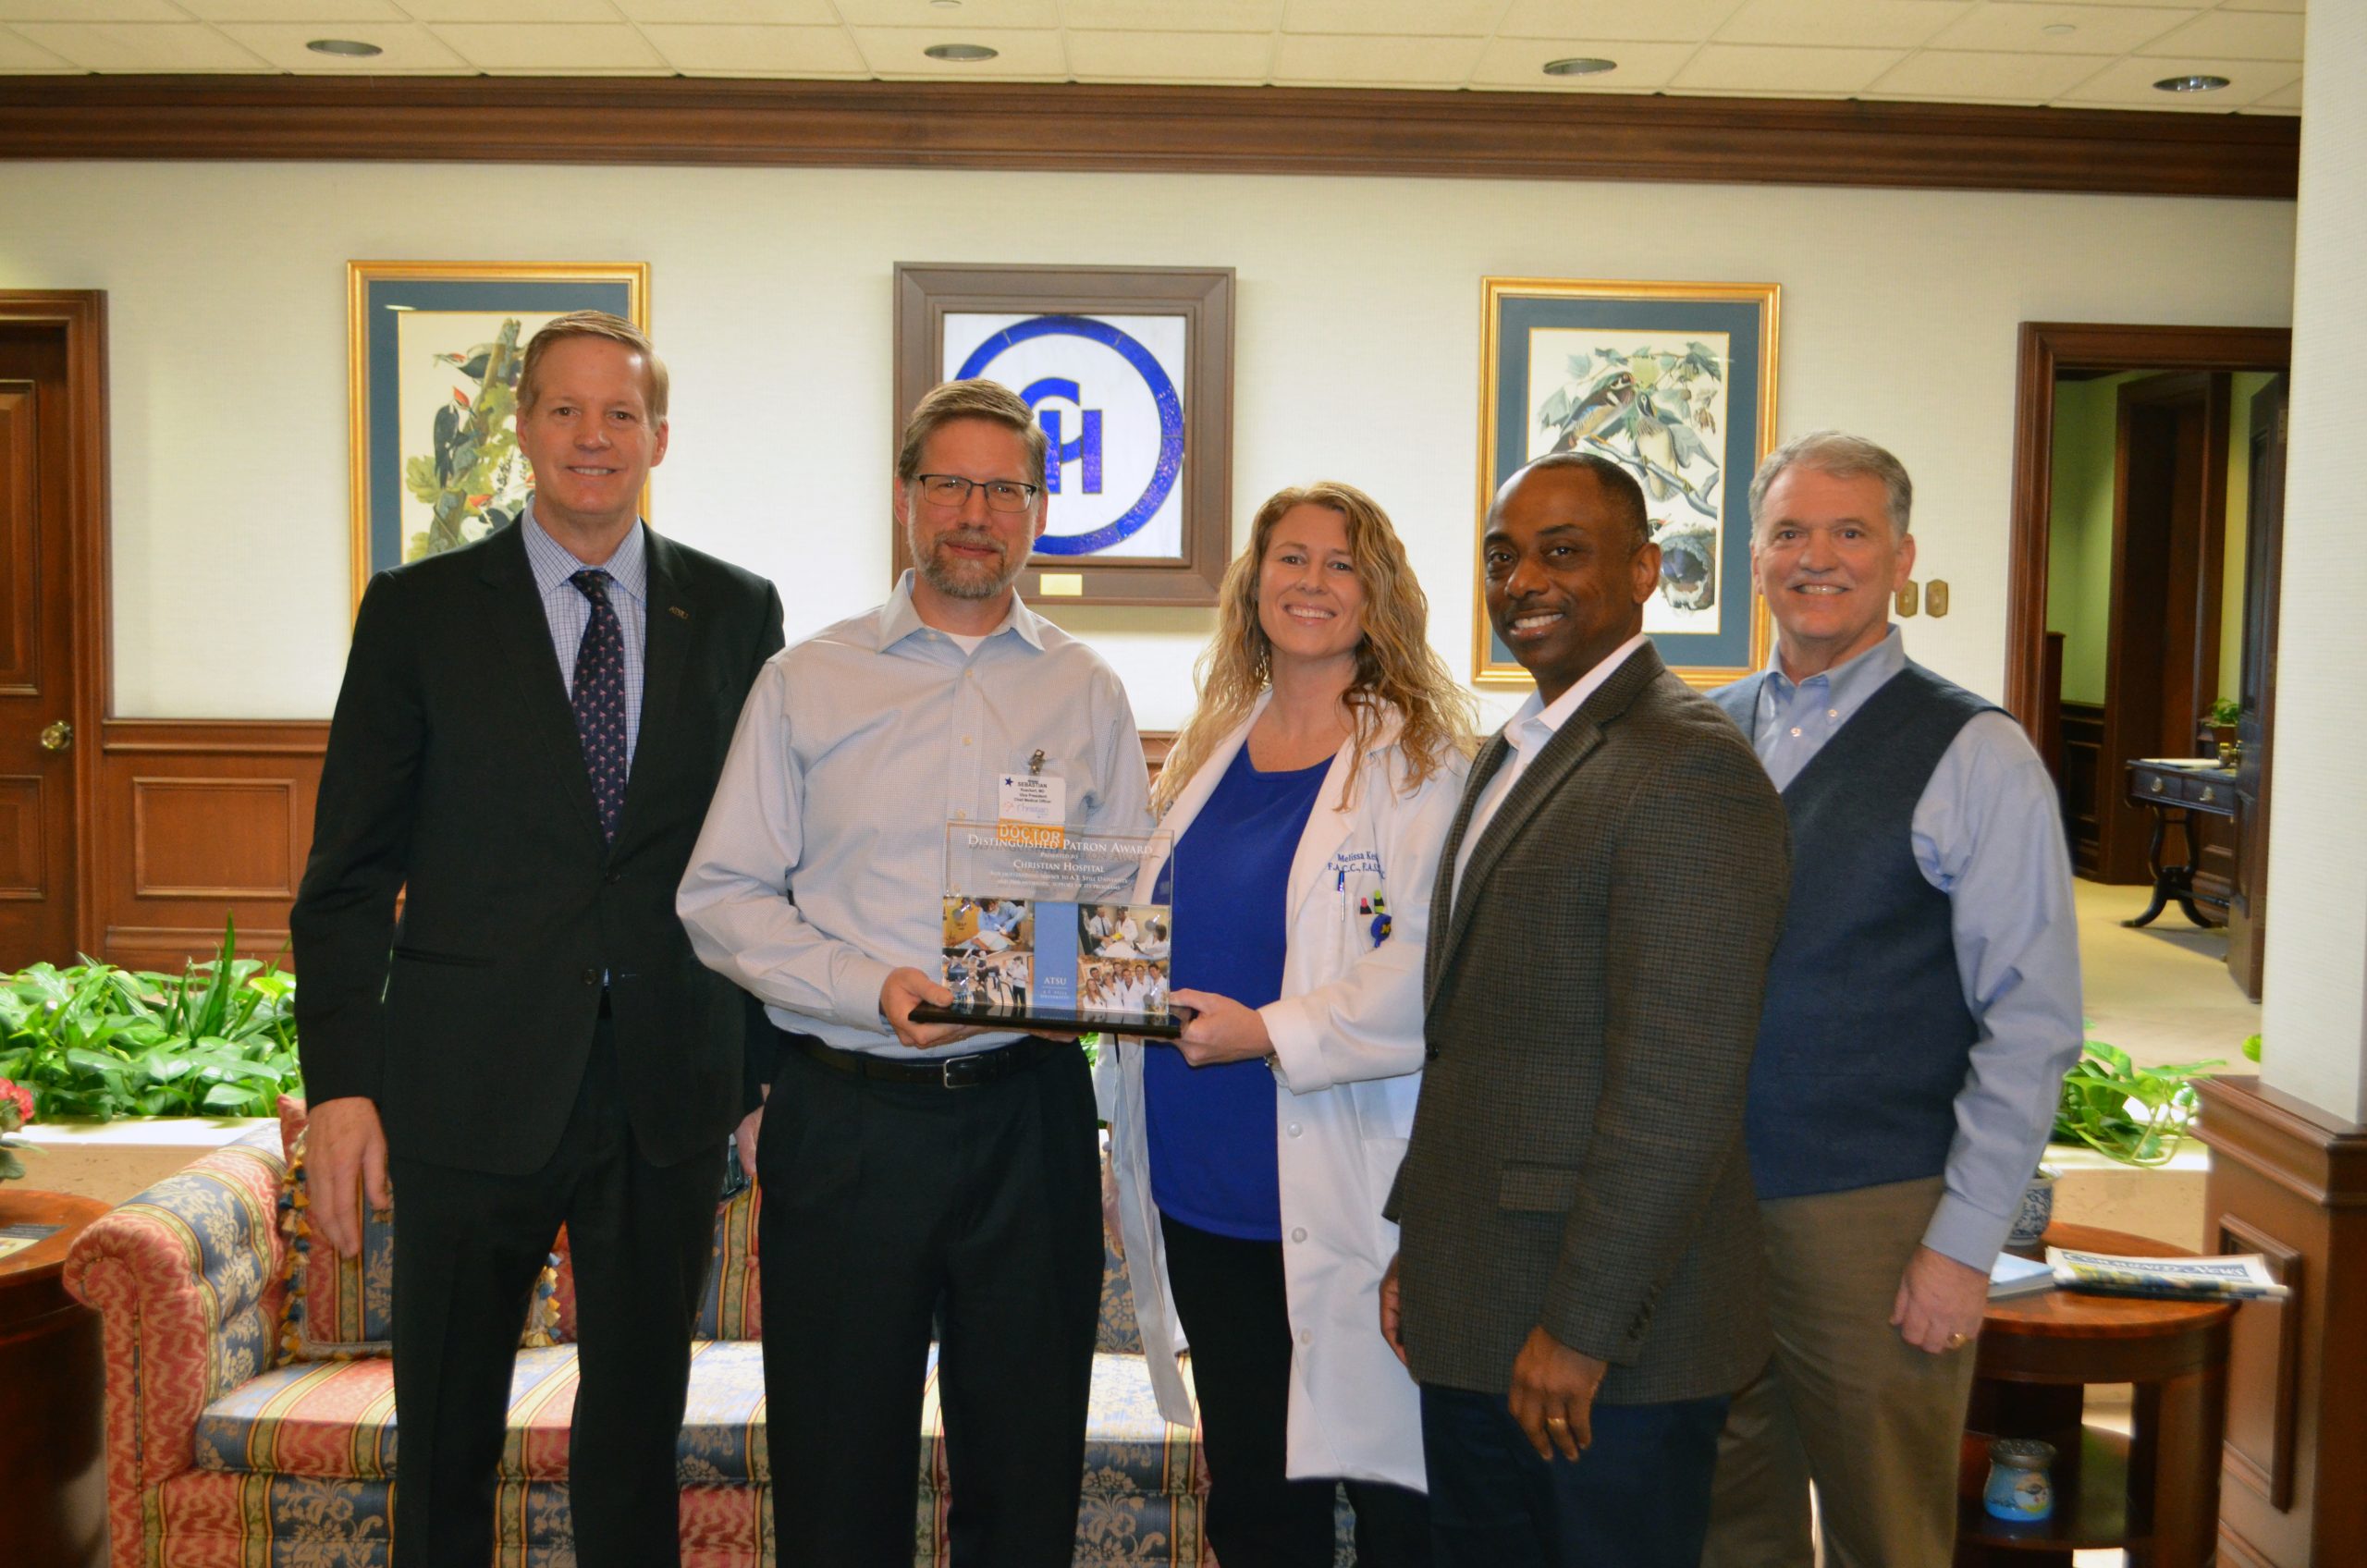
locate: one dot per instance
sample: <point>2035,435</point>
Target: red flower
<point>20,1095</point>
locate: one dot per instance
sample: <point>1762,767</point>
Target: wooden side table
<point>53,1454</point>
<point>2155,1493</point>
<point>2178,790</point>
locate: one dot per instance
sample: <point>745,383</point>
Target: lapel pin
<point>678,611</point>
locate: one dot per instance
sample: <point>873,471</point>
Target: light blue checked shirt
<point>569,612</point>
<point>1988,832</point>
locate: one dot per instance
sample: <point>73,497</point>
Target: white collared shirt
<point>1526,732</point>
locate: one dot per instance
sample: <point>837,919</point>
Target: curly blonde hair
<point>1396,668</point>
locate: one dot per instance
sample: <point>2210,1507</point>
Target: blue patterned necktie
<point>600,700</point>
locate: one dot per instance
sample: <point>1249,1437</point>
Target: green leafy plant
<point>2251,1047</point>
<point>98,1041</point>
<point>2135,1115</point>
<point>2225,713</point>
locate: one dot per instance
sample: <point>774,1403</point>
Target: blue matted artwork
<point>435,358</point>
<point>1674,382</point>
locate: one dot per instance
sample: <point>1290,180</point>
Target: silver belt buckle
<point>962,1071</point>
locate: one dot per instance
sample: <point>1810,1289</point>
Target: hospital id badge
<point>1032,797</point>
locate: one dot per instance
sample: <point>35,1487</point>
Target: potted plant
<point>93,1041</point>
<point>2220,728</point>
<point>2135,1115</point>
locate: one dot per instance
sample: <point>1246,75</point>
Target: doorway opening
<point>2148,511</point>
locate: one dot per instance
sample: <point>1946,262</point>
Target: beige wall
<point>1357,355</point>
<point>2315,1016</point>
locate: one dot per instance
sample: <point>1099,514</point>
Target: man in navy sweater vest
<point>1921,1008</point>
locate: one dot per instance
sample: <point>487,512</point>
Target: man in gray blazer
<point>1579,1272</point>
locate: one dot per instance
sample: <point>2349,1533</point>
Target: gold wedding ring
<point>1558,1423</point>
<point>1958,1341</point>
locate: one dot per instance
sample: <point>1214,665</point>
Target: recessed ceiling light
<point>1580,65</point>
<point>347,48</point>
<point>2059,30</point>
<point>960,52</point>
<point>2199,82</point>
<point>946,4</point>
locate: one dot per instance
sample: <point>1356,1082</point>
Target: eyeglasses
<point>950,490</point>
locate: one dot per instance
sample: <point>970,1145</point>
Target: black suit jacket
<point>454,777</point>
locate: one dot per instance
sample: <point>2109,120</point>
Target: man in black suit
<point>523,749</point>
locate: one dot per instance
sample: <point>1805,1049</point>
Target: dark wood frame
<point>2047,349</point>
<point>1135,128</point>
<point>81,317</point>
<point>927,293</point>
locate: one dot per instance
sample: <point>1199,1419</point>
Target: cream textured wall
<point>2314,1014</point>
<point>1357,356</point>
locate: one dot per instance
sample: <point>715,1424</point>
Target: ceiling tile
<point>757,51</point>
<point>2094,30</point>
<point>511,10</point>
<point>2128,84</point>
<point>1756,68</point>
<point>1174,16</point>
<point>20,54</point>
<point>1343,61</point>
<point>1414,19</point>
<point>293,11</point>
<point>2296,6</point>
<point>91,11</point>
<point>896,50</point>
<point>408,46</point>
<point>553,49</point>
<point>1947,74</point>
<point>1170,56</point>
<point>2249,35</point>
<point>2188,6</point>
<point>1520,62</point>
<point>2287,97</point>
<point>747,13</point>
<point>140,46</point>
<point>1885,24</point>
<point>969,16</point>
<point>1669,21</point>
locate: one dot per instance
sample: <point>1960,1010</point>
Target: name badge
<point>1032,797</point>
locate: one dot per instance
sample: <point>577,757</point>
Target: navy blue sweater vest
<point>1865,1037</point>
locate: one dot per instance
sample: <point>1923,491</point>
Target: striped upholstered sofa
<point>224,1453</point>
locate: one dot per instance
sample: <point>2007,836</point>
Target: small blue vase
<point>2019,1490</point>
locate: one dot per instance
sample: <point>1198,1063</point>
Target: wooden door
<point>2264,559</point>
<point>2169,530</point>
<point>39,753</point>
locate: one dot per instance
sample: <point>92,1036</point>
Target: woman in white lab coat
<point>1251,1158</point>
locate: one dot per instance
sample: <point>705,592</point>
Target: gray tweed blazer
<point>1593,991</point>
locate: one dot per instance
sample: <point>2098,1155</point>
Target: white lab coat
<point>1347,1037</point>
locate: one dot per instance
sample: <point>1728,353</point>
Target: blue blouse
<point>1211,1129</point>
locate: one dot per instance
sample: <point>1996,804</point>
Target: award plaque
<point>1043,931</point>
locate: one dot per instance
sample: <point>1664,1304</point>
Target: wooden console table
<point>2176,789</point>
<point>53,1474</point>
<point>2153,1494</point>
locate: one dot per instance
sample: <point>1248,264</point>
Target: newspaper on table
<point>2238,1277</point>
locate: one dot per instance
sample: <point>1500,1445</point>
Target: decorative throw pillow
<point>340,1308</point>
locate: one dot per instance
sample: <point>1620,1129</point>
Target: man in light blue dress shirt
<point>1922,1009</point>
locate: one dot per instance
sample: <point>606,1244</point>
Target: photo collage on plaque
<point>1121,959</point>
<point>989,951</point>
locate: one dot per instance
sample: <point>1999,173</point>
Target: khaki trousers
<point>1845,1404</point>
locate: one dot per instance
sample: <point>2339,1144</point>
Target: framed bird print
<point>436,348</point>
<point>1674,382</point>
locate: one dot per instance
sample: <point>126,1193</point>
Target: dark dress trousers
<point>1576,1159</point>
<point>541,1046</point>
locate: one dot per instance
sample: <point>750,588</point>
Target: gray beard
<point>956,584</point>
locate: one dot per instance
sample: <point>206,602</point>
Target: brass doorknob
<point>57,736</point>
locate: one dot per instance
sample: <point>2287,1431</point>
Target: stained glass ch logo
<point>1113,419</point>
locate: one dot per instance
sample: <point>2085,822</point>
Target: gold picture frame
<point>1676,383</point>
<point>421,334</point>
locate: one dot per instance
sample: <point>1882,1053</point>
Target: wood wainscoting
<point>199,820</point>
<point>2083,774</point>
<point>2289,1182</point>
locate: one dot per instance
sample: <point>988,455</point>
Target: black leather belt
<point>949,1072</point>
